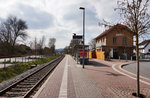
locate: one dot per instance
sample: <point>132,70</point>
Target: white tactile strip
<point>63,88</point>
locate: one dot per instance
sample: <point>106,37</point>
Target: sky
<point>60,18</point>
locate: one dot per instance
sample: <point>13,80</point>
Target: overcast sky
<point>60,18</point>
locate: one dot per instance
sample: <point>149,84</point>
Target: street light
<point>82,8</point>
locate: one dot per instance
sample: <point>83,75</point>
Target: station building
<point>116,42</point>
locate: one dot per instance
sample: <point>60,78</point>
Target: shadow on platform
<point>113,74</point>
<point>96,64</point>
<point>107,72</point>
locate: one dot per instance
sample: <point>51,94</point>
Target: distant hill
<point>59,50</point>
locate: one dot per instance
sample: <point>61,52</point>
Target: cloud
<point>61,18</point>
<point>76,17</point>
<point>2,20</point>
<point>63,36</point>
<point>36,19</point>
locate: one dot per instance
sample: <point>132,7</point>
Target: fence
<point>16,60</point>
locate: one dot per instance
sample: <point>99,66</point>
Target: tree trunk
<point>137,65</point>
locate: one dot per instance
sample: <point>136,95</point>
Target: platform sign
<point>77,37</point>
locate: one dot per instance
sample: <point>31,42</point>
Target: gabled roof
<point>144,42</point>
<point>115,27</point>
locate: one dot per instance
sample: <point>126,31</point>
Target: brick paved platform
<point>79,85</point>
<point>97,80</point>
<point>114,83</point>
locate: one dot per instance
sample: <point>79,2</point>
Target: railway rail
<point>26,86</point>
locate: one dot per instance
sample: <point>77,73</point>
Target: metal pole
<point>4,63</point>
<point>88,52</point>
<point>25,59</point>
<point>15,60</point>
<point>10,59</point>
<point>83,33</point>
<point>126,57</point>
<point>22,59</point>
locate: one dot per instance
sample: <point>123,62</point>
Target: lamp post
<point>82,8</point>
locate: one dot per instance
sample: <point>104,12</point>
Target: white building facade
<point>144,49</point>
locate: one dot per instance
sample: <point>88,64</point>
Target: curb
<point>126,64</point>
<point>142,78</point>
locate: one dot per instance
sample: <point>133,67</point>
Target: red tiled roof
<point>112,28</point>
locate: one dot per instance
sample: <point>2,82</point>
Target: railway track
<point>26,86</point>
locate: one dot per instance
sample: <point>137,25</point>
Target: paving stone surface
<point>52,87</point>
<point>79,85</point>
<point>71,90</point>
<point>96,80</point>
<point>112,83</point>
<point>84,87</point>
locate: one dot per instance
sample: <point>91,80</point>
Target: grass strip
<point>12,71</point>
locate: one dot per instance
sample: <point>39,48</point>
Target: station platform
<point>99,79</point>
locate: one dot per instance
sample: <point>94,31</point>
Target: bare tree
<point>52,45</point>
<point>137,19</point>
<point>42,41</point>
<point>92,44</point>
<point>51,42</point>
<point>35,45</point>
<point>38,45</point>
<point>41,44</point>
<point>12,29</point>
<point>66,50</point>
<point>5,33</point>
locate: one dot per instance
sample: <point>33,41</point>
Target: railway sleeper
<point>19,89</point>
<point>27,83</point>
<point>41,74</point>
<point>14,94</point>
<point>31,81</point>
<point>37,77</point>
<point>24,86</point>
<point>33,78</point>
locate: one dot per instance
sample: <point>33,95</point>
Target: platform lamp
<point>82,8</point>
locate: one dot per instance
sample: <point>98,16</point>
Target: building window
<point>103,49</point>
<point>114,40</point>
<point>98,49</point>
<point>124,41</point>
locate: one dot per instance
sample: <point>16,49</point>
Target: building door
<point>115,54</point>
<point>94,54</point>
